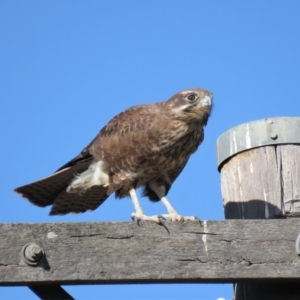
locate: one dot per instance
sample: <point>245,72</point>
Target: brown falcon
<point>144,146</point>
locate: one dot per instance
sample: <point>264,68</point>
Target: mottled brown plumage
<point>144,146</point>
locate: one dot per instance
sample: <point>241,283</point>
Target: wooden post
<point>259,164</point>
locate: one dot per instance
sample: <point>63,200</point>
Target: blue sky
<point>67,67</point>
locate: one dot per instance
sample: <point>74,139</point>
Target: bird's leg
<point>139,214</point>
<point>172,215</point>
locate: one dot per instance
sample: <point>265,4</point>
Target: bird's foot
<point>174,217</point>
<point>141,217</point>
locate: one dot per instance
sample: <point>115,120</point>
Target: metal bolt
<point>273,135</point>
<point>32,254</point>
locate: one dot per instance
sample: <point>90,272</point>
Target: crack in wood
<point>202,233</point>
<point>126,237</point>
<point>193,260</point>
<point>226,241</point>
<point>86,235</point>
<point>247,261</point>
<point>186,259</point>
<point>4,265</point>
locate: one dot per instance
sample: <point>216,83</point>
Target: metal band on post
<point>269,131</point>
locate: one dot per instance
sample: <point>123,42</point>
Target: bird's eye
<point>191,97</point>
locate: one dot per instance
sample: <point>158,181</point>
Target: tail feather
<point>44,192</point>
<point>53,190</point>
<point>79,202</point>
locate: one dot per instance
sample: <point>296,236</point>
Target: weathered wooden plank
<point>262,182</point>
<point>217,251</point>
<point>289,159</point>
<point>244,178</point>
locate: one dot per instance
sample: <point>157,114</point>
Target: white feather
<point>96,174</point>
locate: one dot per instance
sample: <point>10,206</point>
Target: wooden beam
<point>216,251</point>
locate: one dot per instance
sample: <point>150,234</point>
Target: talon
<point>135,219</point>
<point>162,223</point>
<point>162,219</point>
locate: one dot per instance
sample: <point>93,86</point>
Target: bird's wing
<point>84,156</point>
<point>137,134</point>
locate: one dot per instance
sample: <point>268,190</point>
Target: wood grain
<point>289,158</point>
<point>216,251</point>
<point>262,183</point>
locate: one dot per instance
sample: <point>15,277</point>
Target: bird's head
<point>191,105</point>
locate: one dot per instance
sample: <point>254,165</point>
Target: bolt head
<point>32,254</point>
<point>274,136</point>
